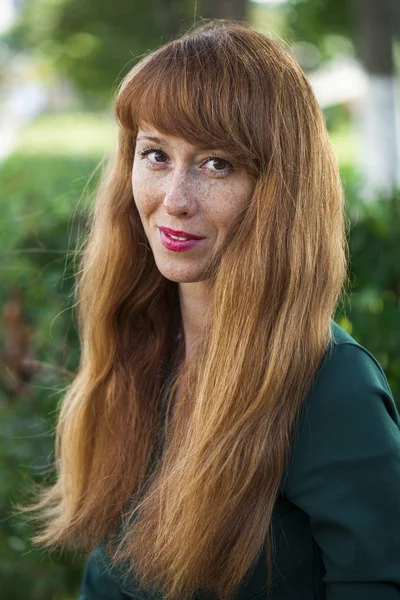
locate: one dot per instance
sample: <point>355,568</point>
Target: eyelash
<point>145,151</point>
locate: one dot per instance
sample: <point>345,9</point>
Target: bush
<point>38,352</point>
<point>372,312</point>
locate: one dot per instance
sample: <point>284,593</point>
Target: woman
<point>224,437</point>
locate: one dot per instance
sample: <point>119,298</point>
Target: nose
<point>178,198</point>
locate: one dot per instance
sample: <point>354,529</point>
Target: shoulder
<point>344,469</point>
<point>348,414</point>
<point>348,378</point>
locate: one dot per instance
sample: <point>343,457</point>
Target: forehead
<point>151,134</point>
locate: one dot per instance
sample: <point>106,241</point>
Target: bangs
<point>198,92</point>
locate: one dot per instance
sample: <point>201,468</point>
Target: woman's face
<point>187,198</point>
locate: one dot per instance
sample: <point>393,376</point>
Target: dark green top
<point>337,522</point>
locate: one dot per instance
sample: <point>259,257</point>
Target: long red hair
<point>200,514</point>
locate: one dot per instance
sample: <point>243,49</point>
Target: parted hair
<point>198,514</point>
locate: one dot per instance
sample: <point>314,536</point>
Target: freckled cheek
<point>226,211</point>
<point>145,200</point>
<point>145,205</point>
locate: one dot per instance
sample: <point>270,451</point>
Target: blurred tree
<point>224,9</point>
<point>313,20</point>
<point>95,42</point>
<point>377,24</point>
<point>372,26</point>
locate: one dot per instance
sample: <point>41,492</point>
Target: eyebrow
<point>157,140</point>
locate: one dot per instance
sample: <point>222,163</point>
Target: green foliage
<point>313,20</point>
<point>372,313</point>
<point>38,353</point>
<point>69,133</point>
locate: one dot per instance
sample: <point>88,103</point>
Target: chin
<point>177,275</point>
<point>183,278</point>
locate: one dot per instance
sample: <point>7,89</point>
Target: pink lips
<point>169,239</point>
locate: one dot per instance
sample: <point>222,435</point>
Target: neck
<point>194,310</point>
